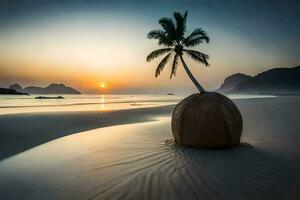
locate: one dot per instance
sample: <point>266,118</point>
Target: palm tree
<point>172,37</point>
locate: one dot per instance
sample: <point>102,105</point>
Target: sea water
<point>10,104</point>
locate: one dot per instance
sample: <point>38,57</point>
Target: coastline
<point>27,130</point>
<point>20,132</point>
<point>129,159</point>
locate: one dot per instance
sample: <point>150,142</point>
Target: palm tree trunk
<point>189,73</point>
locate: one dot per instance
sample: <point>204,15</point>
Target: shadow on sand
<point>20,132</point>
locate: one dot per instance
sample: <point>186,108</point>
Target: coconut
<point>207,120</point>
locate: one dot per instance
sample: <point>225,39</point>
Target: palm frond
<point>155,34</point>
<point>174,66</point>
<point>197,56</point>
<point>196,37</point>
<point>162,64</point>
<point>157,53</point>
<point>180,24</point>
<point>161,36</point>
<point>195,41</point>
<point>169,27</point>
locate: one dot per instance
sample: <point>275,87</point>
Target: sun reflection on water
<point>102,101</point>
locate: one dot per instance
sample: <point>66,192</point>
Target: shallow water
<point>12,104</point>
<point>24,104</point>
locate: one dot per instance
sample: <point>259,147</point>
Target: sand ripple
<point>134,162</point>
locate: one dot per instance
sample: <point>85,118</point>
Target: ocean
<point>10,104</point>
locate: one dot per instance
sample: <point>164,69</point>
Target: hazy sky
<point>85,42</point>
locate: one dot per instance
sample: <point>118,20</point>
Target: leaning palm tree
<point>172,37</point>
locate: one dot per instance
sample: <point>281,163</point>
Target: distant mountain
<point>10,91</point>
<point>51,89</point>
<point>16,87</point>
<point>273,81</point>
<point>232,81</point>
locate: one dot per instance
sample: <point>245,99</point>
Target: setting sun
<point>103,85</point>
<point>158,99</point>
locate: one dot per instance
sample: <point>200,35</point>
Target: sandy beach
<point>122,154</point>
<point>149,100</point>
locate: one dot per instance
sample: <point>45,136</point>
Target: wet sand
<point>132,161</point>
<point>23,131</point>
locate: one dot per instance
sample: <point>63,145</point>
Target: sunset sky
<point>88,43</point>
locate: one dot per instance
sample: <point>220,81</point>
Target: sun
<point>103,85</point>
